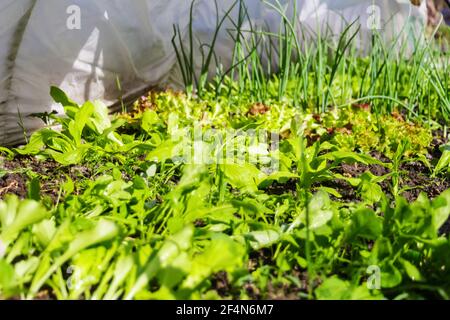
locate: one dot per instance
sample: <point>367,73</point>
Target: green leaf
<point>25,269</point>
<point>320,210</point>
<point>336,289</point>
<point>2,248</point>
<point>82,117</point>
<point>331,191</point>
<point>354,182</point>
<point>370,191</point>
<point>171,248</point>
<point>6,151</point>
<point>103,230</point>
<point>149,119</point>
<point>68,186</point>
<point>365,224</point>
<point>243,176</point>
<point>390,275</point>
<point>100,117</point>
<point>16,215</point>
<point>444,161</point>
<point>411,270</point>
<point>165,151</point>
<point>172,275</point>
<point>60,96</point>
<point>333,289</point>
<point>7,277</point>
<point>320,213</point>
<point>123,267</point>
<point>223,254</point>
<point>263,238</point>
<point>34,189</point>
<point>35,144</point>
<point>441,209</point>
<point>44,232</point>
<point>382,250</point>
<point>71,157</point>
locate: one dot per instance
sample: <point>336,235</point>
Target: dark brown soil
<point>445,229</point>
<point>279,189</point>
<point>273,290</point>
<point>221,283</point>
<point>276,290</point>
<point>51,175</point>
<point>417,177</point>
<point>13,184</point>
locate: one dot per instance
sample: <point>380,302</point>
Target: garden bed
<point>350,190</point>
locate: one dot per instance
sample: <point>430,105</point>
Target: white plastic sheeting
<point>84,46</point>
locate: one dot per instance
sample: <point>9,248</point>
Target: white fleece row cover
<point>84,46</point>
